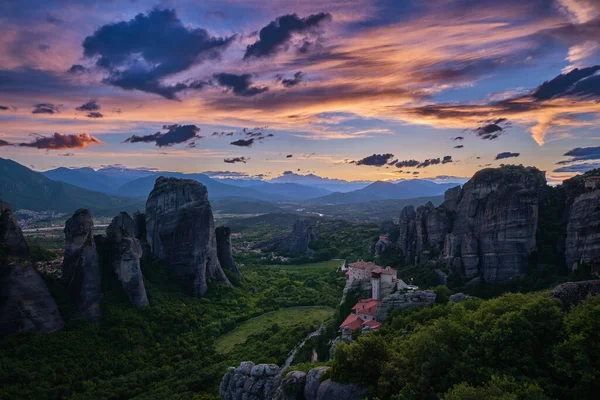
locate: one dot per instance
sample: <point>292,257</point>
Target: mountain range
<point>114,188</point>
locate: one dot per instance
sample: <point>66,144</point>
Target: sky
<point>355,90</point>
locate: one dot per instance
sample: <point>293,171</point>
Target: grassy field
<point>284,318</point>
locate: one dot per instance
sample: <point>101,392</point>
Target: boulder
<point>572,293</point>
<point>180,230</point>
<point>583,232</point>
<point>25,302</point>
<point>292,386</point>
<point>224,252</point>
<point>251,382</point>
<point>313,381</point>
<point>295,243</point>
<point>455,298</point>
<point>330,390</point>
<point>126,252</point>
<point>417,298</point>
<point>81,270</point>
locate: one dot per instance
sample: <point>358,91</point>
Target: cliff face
<point>487,228</point>
<point>81,269</point>
<point>181,230</point>
<point>25,302</point>
<point>224,250</point>
<point>295,243</point>
<point>583,231</point>
<point>126,252</point>
<point>264,382</point>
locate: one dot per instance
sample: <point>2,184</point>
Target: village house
<point>363,314</point>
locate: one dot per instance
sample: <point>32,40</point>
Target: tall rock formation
<point>224,250</point>
<point>181,230</point>
<point>25,301</point>
<point>487,228</point>
<point>81,268</point>
<point>295,243</point>
<point>125,257</point>
<point>583,231</point>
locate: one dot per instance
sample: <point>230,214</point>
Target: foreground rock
<point>224,250</point>
<point>25,301</point>
<point>488,228</point>
<point>263,382</point>
<point>181,230</point>
<point>81,269</point>
<point>295,243</point>
<point>126,254</point>
<point>572,293</point>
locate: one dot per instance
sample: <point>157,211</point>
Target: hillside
<point>387,191</point>
<point>27,189</point>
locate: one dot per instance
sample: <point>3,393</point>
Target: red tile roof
<point>353,322</point>
<point>372,324</point>
<point>366,306</point>
<point>371,266</point>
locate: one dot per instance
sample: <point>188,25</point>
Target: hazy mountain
<point>387,191</point>
<point>107,179</point>
<point>143,186</point>
<point>27,189</point>
<point>292,190</point>
<point>333,185</point>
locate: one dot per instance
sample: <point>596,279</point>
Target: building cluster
<point>364,313</point>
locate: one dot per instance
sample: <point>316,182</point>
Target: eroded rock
<point>417,298</point>
<point>224,250</point>
<point>295,243</point>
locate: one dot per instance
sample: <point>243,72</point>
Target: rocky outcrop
<point>572,293</point>
<point>224,252</point>
<point>457,297</point>
<point>295,243</point>
<point>583,231</point>
<point>11,237</point>
<point>25,301</point>
<point>418,298</point>
<point>81,269</point>
<point>181,230</point>
<point>488,228</point>
<point>262,382</point>
<point>126,252</point>
<point>382,245</point>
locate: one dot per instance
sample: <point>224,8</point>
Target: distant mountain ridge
<point>31,190</point>
<point>387,191</point>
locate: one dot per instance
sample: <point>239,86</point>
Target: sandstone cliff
<point>25,301</point>
<point>224,252</point>
<point>487,228</point>
<point>295,243</point>
<point>180,230</point>
<point>81,268</point>
<point>126,252</point>
<point>264,382</point>
<point>583,231</point>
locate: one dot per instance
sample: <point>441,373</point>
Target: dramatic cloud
<point>45,108</point>
<point>407,164</point>
<point>94,114</point>
<point>375,160</point>
<point>91,105</point>
<point>277,35</point>
<point>298,77</point>
<point>579,82</point>
<point>460,146</point>
<point>492,129</point>
<point>289,156</point>
<point>3,108</point>
<point>59,141</point>
<point>578,168</point>
<point>446,159</point>
<point>581,154</point>
<point>234,160</point>
<point>506,154</point>
<point>140,53</point>
<point>76,69</point>
<point>51,19</point>
<point>4,143</point>
<point>175,134</point>
<point>429,162</point>
<point>458,138</point>
<point>240,85</point>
